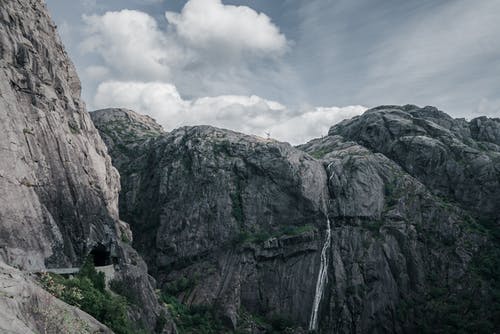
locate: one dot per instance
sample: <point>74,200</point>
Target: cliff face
<point>248,225</point>
<point>454,158</point>
<point>200,199</point>
<point>57,183</point>
<point>58,189</point>
<point>25,308</point>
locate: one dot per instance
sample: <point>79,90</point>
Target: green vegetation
<point>124,290</point>
<point>193,319</point>
<point>281,324</point>
<point>178,286</point>
<point>471,305</point>
<point>205,319</point>
<point>73,127</point>
<point>374,226</point>
<point>247,237</point>
<point>445,311</point>
<point>221,147</point>
<point>391,195</point>
<point>261,236</point>
<point>320,153</point>
<point>291,230</point>
<point>237,207</point>
<point>237,204</point>
<point>87,292</point>
<point>275,324</point>
<point>189,319</point>
<point>125,238</point>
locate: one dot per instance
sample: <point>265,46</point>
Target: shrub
<point>194,319</point>
<point>88,270</point>
<point>87,292</point>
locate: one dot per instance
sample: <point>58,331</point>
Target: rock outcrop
<point>57,183</point>
<point>454,158</point>
<point>58,188</point>
<point>204,196</point>
<point>241,221</point>
<point>25,308</point>
<point>403,259</point>
<point>390,224</point>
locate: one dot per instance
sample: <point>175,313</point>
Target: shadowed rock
<point>243,219</point>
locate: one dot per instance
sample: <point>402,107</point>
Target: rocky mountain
<point>387,225</point>
<point>58,188</point>
<point>454,158</point>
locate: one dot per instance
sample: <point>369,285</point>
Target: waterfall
<point>322,279</point>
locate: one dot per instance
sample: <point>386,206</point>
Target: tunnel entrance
<point>101,256</point>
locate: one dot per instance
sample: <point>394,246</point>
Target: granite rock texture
<point>243,220</point>
<point>454,158</point>
<point>58,188</point>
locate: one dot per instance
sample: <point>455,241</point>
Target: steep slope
<point>204,196</point>
<point>404,259</point>
<point>456,159</point>
<point>56,177</point>
<point>58,189</point>
<point>342,240</point>
<point>25,308</point>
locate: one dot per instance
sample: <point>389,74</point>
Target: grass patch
<point>237,203</point>
<point>73,127</point>
<point>87,292</point>
<point>261,236</point>
<point>180,285</point>
<point>193,319</point>
<point>320,153</point>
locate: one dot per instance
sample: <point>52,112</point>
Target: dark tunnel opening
<point>101,256</point>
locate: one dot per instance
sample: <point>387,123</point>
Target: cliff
<point>58,188</point>
<point>342,234</point>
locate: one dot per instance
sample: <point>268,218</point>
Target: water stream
<point>322,279</point>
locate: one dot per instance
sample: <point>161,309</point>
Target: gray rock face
<point>58,188</point>
<point>243,220</point>
<point>57,183</point>
<point>391,242</point>
<point>25,308</point>
<point>454,158</point>
<point>222,195</point>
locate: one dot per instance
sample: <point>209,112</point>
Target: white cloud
<point>209,24</point>
<point>247,114</point>
<point>487,107</point>
<point>96,72</point>
<point>313,123</point>
<point>131,43</point>
<point>209,48</point>
<point>159,100</point>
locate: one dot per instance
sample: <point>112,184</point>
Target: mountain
<point>58,188</point>
<point>454,158</point>
<point>388,224</point>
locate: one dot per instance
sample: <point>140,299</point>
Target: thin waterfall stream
<point>322,279</point>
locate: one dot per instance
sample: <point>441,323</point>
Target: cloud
<point>248,114</point>
<point>95,72</point>
<point>443,53</point>
<point>131,43</point>
<point>487,107</point>
<point>313,123</point>
<point>207,49</point>
<point>223,29</point>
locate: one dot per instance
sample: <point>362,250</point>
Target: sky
<point>288,68</point>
